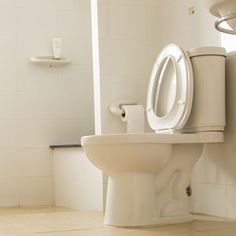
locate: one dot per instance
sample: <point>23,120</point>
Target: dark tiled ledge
<point>64,146</point>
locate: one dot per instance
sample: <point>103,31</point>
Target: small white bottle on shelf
<point>56,47</point>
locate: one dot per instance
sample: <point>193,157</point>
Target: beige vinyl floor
<point>55,221</point>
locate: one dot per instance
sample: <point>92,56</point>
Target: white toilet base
<point>132,200</point>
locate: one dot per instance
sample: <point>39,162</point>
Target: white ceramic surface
<point>148,174</point>
<point>170,91</point>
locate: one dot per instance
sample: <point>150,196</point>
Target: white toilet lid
<point>170,92</point>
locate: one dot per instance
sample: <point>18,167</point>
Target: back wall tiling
<point>40,106</point>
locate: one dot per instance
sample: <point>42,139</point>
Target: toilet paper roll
<point>134,116</point>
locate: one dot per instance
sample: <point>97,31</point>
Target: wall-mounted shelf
<point>50,61</point>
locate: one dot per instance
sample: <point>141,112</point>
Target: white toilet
<point>149,173</point>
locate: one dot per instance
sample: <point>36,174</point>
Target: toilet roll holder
<point>116,107</point>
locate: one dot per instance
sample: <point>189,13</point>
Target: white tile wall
<point>209,199</point>
<point>231,204</point>
<point>126,43</point>
<point>8,163</point>
<point>40,106</point>
<point>78,183</point>
<point>9,191</point>
<point>36,191</point>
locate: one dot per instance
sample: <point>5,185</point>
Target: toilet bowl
<point>149,173</point>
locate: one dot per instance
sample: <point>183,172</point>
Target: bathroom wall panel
<point>231,203</point>
<point>8,81</point>
<point>9,191</point>
<point>34,100</point>
<point>8,134</point>
<point>35,163</point>
<point>123,56</point>
<point>126,45</point>
<point>38,133</point>
<point>36,191</point>
<point>8,105</point>
<point>207,168</point>
<point>209,199</point>
<point>72,106</point>
<point>75,78</point>
<point>78,50</point>
<point>32,78</point>
<point>38,105</point>
<point>8,163</point>
<point>71,131</point>
<point>78,183</point>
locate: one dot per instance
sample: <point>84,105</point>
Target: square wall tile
<point>229,151</point>
<point>62,191</point>
<point>8,20</point>
<point>76,78</point>
<point>9,192</point>
<point>9,163</point>
<point>231,203</point>
<point>127,22</point>
<point>38,105</point>
<point>76,105</point>
<point>8,80</point>
<point>71,131</point>
<point>8,105</point>
<point>8,134</point>
<point>118,87</point>
<point>123,56</point>
<point>78,49</point>
<point>35,162</point>
<point>103,29</point>
<point>8,49</point>
<point>31,77</point>
<point>30,44</point>
<point>211,167</point>
<point>73,22</point>
<point>36,191</point>
<point>209,199</point>
<point>38,133</point>
<point>44,21</point>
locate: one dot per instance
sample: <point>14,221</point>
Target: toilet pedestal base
<point>132,200</point>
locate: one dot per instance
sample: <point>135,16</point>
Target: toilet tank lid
<point>207,51</point>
